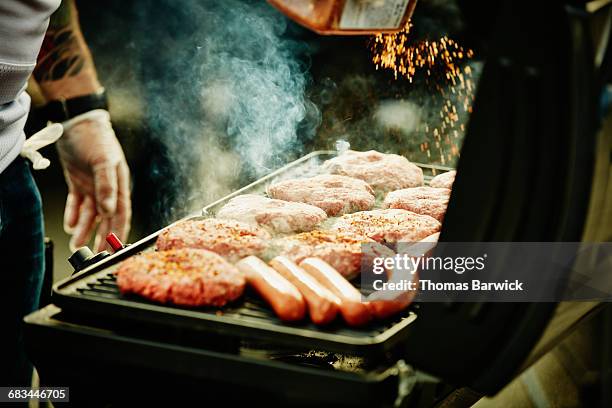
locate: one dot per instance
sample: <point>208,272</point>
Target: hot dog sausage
<point>283,297</point>
<point>383,308</point>
<point>322,304</point>
<point>383,305</point>
<point>353,310</point>
<point>386,304</point>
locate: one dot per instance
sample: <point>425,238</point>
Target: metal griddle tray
<point>94,292</point>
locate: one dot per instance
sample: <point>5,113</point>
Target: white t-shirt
<point>22,28</point>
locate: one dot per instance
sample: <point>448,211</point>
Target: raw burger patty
<point>444,180</point>
<point>421,200</point>
<point>228,238</point>
<point>336,195</point>
<point>390,225</point>
<point>343,251</point>
<point>278,215</point>
<point>186,277</point>
<point>383,172</point>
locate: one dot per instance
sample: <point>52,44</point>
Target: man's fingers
<point>119,222</point>
<point>105,183</point>
<point>85,225</point>
<point>71,212</point>
<point>123,216</point>
<point>103,229</point>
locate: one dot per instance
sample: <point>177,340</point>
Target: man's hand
<point>98,180</point>
<point>94,165</point>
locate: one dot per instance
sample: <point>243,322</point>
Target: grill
<point>250,318</point>
<point>94,292</point>
<point>526,174</point>
<point>128,342</point>
<point>180,366</point>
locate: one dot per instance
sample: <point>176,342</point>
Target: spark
<point>442,61</point>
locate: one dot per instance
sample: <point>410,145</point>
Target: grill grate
<point>103,286</point>
<point>94,291</point>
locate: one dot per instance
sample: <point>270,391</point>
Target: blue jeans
<point>22,264</point>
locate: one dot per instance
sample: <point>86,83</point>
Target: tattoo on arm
<point>61,54</point>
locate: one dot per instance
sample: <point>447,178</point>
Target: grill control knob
<point>114,242</point>
<point>80,257</point>
<point>83,257</point>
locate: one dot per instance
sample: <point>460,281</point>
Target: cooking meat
<point>334,194</point>
<point>383,172</point>
<point>228,238</point>
<point>421,200</point>
<point>344,251</point>
<point>186,277</point>
<point>354,311</point>
<point>444,180</point>
<point>389,225</point>
<point>284,298</point>
<point>388,304</point>
<point>322,304</point>
<point>278,215</point>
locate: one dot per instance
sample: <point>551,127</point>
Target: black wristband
<point>64,109</point>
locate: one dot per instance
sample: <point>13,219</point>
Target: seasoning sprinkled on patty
<point>185,277</point>
<point>390,225</point>
<point>229,238</point>
<point>342,250</point>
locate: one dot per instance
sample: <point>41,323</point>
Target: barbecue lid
<point>528,149</point>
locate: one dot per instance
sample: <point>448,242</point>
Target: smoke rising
<point>226,97</point>
<point>401,115</point>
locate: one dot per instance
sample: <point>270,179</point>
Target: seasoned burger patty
<point>343,251</point>
<point>278,215</point>
<point>383,172</point>
<point>336,195</point>
<point>390,225</point>
<point>228,238</point>
<point>444,180</point>
<point>421,200</point>
<point>187,277</point>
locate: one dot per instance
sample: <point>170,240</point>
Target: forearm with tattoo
<point>65,67</point>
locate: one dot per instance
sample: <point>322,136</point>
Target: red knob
<point>114,242</point>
